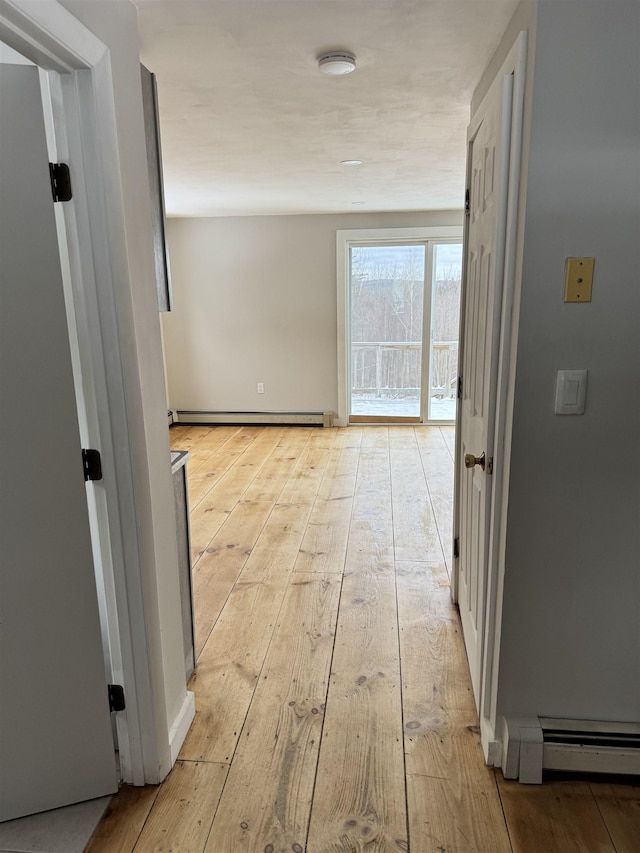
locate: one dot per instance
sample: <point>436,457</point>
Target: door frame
<point>93,250</point>
<point>514,65</point>
<point>344,239</point>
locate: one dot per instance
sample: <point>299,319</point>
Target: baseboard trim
<point>491,745</point>
<point>181,724</point>
<point>191,417</point>
<point>534,744</point>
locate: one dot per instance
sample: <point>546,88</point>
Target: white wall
<point>571,631</point>
<point>255,301</point>
<point>114,23</point>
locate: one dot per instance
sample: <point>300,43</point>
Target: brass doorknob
<point>470,460</point>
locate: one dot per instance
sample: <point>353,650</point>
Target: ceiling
<point>249,125</point>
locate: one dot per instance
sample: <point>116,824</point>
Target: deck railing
<point>393,369</point>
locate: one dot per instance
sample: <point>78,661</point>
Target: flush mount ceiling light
<point>336,63</point>
<point>351,162</point>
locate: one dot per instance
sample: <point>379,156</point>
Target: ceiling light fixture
<point>351,162</point>
<point>357,202</point>
<point>336,63</point>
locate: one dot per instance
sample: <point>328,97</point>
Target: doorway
<point>399,305</point>
<point>488,372</point>
<point>59,752</point>
<point>88,99</point>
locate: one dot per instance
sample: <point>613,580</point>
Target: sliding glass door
<point>387,315</point>
<point>446,276</point>
<point>404,300</point>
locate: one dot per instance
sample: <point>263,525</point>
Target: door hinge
<point>60,181</point>
<point>456,547</point>
<point>467,202</point>
<point>459,387</point>
<point>116,697</point>
<point>489,465</point>
<point>92,465</point>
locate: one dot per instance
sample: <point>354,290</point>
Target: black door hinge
<point>60,181</point>
<point>467,202</point>
<point>92,465</point>
<point>456,547</point>
<point>459,387</point>
<point>116,697</point>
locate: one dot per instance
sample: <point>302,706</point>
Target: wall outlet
<point>578,279</point>
<point>260,387</point>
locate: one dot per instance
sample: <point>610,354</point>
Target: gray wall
<point>571,627</point>
<point>255,301</point>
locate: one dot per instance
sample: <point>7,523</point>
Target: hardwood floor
<point>334,706</point>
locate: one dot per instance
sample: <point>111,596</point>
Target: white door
<point>488,171</point>
<point>56,744</point>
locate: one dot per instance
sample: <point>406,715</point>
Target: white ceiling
<point>250,126</point>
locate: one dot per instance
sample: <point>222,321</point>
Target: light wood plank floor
<point>334,707</point>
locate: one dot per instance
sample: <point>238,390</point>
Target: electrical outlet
<point>260,387</point>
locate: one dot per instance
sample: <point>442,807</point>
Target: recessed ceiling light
<point>351,162</point>
<point>336,63</point>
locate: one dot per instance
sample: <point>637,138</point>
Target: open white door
<point>56,744</point>
<point>485,247</point>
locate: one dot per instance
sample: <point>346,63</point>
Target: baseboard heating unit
<point>534,744</point>
<point>189,417</point>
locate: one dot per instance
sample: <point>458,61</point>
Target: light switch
<point>578,279</point>
<point>571,392</point>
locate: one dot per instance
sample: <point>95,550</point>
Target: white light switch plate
<point>571,392</point>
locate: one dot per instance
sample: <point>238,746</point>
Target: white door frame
<point>93,250</point>
<point>344,239</point>
<point>514,64</point>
